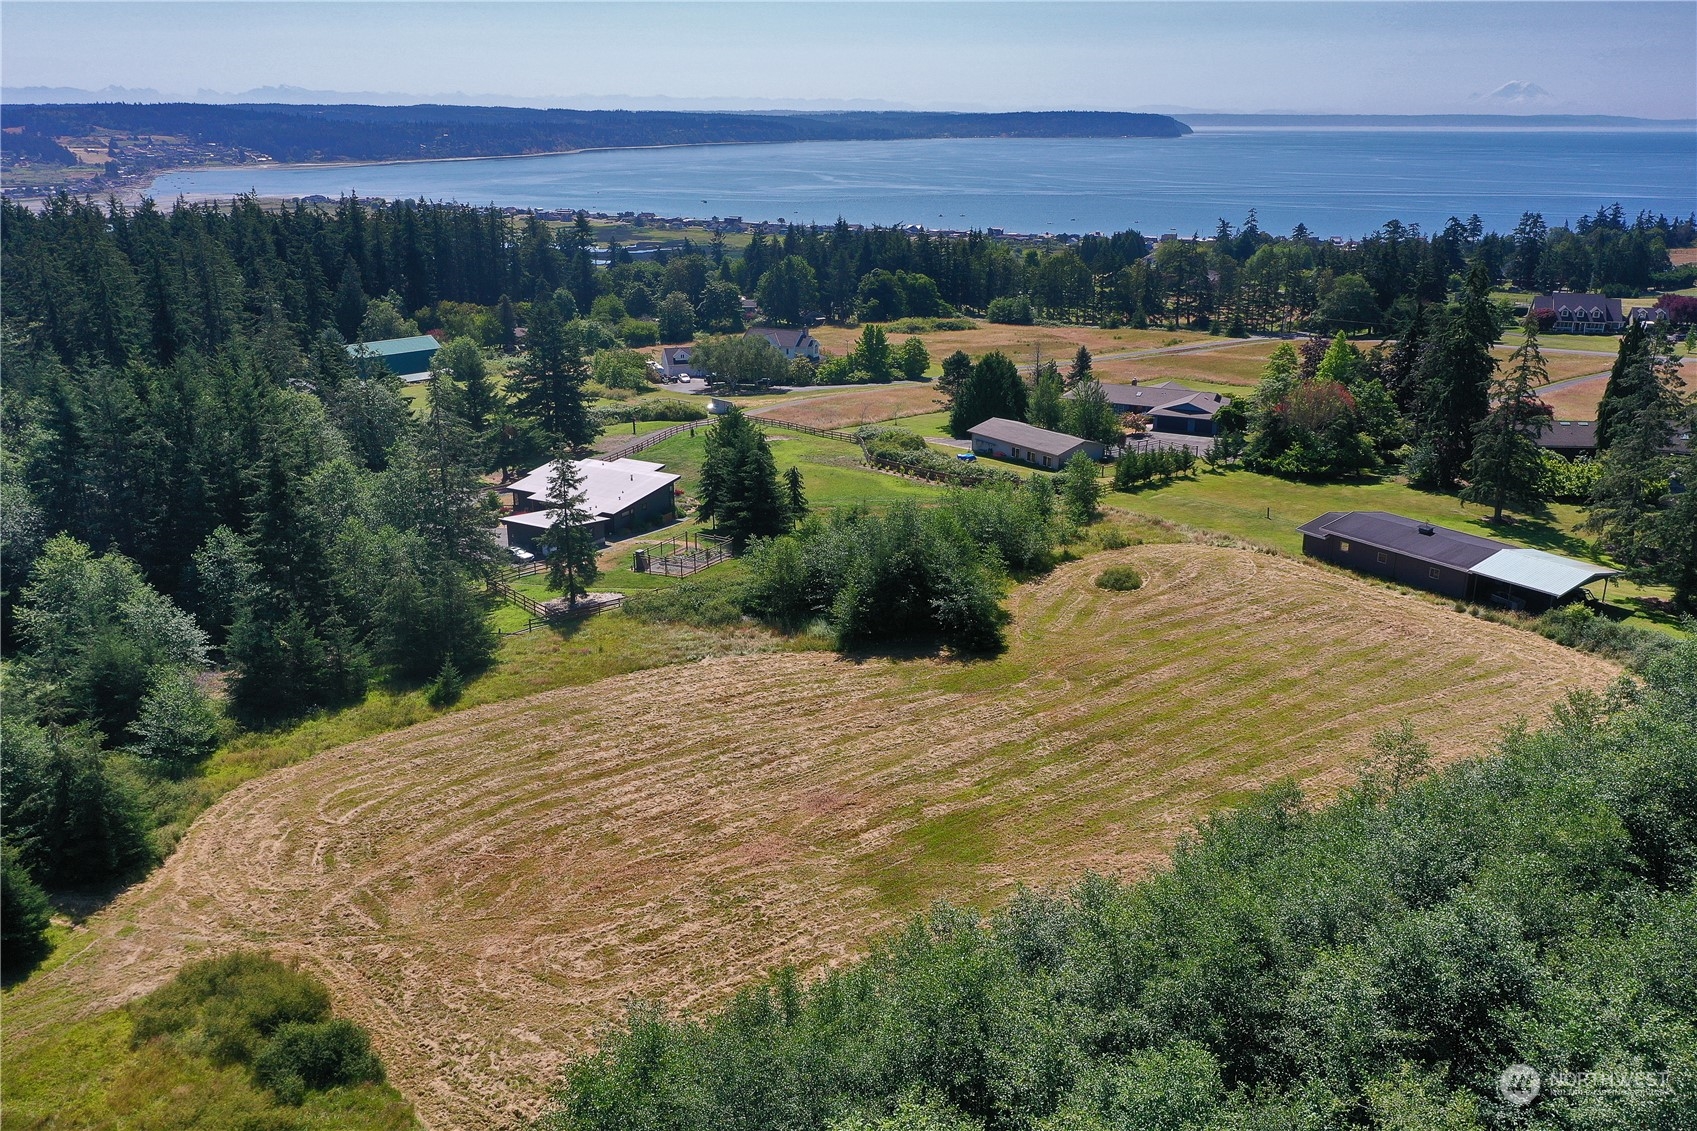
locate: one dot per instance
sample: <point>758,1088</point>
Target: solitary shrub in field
<point>303,1058</point>
<point>1121,578</point>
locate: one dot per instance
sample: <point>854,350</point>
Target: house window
<point>1343,547</point>
<point>1384,557</point>
<point>1434,573</point>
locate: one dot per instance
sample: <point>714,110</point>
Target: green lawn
<point>831,470</point>
<point>1266,510</point>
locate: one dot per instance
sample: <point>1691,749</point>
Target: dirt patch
<point>484,889</point>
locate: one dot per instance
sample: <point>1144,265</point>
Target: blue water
<point>1338,182</point>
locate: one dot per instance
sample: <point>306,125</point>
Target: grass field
<point>833,472</point>
<point>1022,343</point>
<point>850,408</point>
<point>483,889</point>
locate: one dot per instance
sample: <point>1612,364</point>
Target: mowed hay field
<point>850,408</point>
<point>1243,364</point>
<point>484,889</point>
<point>1022,343</point>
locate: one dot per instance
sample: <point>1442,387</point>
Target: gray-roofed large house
<point>1452,562</point>
<point>1171,407</point>
<point>1581,314</point>
<point>1024,443</point>
<point>622,496</point>
<point>793,343</point>
<point>407,358</point>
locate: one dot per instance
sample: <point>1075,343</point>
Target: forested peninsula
<point>268,132</point>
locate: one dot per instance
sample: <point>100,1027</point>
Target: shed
<point>406,358</point>
<point>1464,566</point>
<point>1024,443</point>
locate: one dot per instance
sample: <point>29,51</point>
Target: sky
<point>1570,56</point>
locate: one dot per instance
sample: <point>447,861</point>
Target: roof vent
<point>1424,529</point>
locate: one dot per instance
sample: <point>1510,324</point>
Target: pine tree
<point>1080,369</point>
<point>1624,387</point>
<point>1507,464</point>
<point>567,543</point>
<point>1625,505</point>
<point>795,496</point>
<point>549,379</point>
<point>1453,381</point>
<point>1047,407</point>
<point>740,489</point>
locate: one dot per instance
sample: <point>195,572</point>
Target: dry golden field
<point>482,890</point>
<point>850,408</point>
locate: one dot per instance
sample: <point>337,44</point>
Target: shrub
<point>314,1057</point>
<point>1014,310</point>
<point>1120,578</point>
<point>635,332</point>
<point>227,1007</point>
<point>884,441</point>
<point>445,690</point>
<point>1576,626</point>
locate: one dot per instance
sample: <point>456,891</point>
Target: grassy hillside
<point>481,890</point>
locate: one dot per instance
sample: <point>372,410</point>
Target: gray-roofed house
<point>1454,563</point>
<point>622,496</point>
<point>1023,443</point>
<point>1581,314</point>
<point>407,358</point>
<point>1171,407</point>
<point>793,343</point>
<point>1575,438</point>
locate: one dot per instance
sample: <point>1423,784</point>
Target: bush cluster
<point>1376,962</point>
<point>650,408</point>
<point>249,1009</point>
<point>1577,626</point>
<point>1120,578</point>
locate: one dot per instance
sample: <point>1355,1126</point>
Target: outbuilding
<point>406,358</point>
<point>1464,566</point>
<point>621,496</point>
<point>1024,443</point>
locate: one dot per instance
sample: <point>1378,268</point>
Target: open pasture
<point>1022,343</point>
<point>850,408</point>
<point>483,889</point>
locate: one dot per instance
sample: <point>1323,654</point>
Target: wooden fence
<point>699,551</point>
<point>642,443</point>
<point>828,433</point>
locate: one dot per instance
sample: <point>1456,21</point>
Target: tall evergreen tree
<point>1080,368</point>
<point>1507,464</point>
<point>567,543</point>
<point>740,490</point>
<point>1453,379</point>
<point>1625,505</point>
<point>1621,394</point>
<point>549,379</point>
<point>1047,407</point>
<point>993,389</point>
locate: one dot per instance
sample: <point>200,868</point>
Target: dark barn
<point>1456,564</point>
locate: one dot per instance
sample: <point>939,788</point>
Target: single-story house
<point>1570,438</point>
<point>1171,407</point>
<point>1575,438</point>
<point>677,362</point>
<point>1581,314</point>
<point>407,358</point>
<point>793,343</point>
<point>1024,443</point>
<point>621,496</point>
<point>1464,566</point>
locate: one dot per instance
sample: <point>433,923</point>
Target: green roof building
<point>407,358</point>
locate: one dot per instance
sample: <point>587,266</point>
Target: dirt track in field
<point>482,890</point>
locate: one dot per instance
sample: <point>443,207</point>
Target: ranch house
<point>622,497</point>
<point>1022,443</point>
<point>406,358</point>
<point>1170,407</point>
<point>1456,564</point>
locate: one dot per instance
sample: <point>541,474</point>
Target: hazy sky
<point>1576,57</point>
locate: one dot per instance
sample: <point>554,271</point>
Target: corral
<point>482,889</point>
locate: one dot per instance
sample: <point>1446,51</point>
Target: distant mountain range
<point>1419,121</point>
